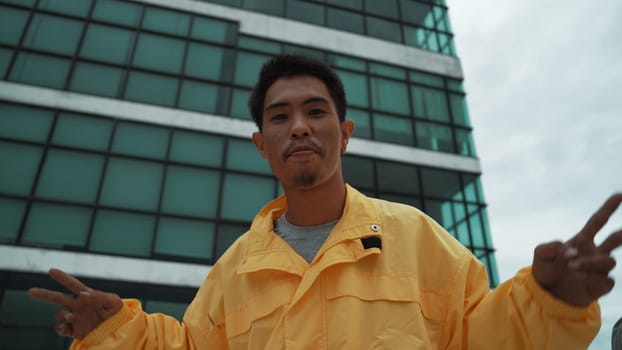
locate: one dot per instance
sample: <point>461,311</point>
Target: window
<point>420,37</point>
<point>72,176</point>
<point>353,4</point>
<point>12,22</point>
<point>191,192</point>
<point>386,8</point>
<point>141,140</point>
<point>459,109</point>
<point>165,21</point>
<point>82,131</point>
<point>389,96</point>
<point>435,137</point>
<point>393,129</point>
<point>209,62</point>
<point>189,238</point>
<point>150,55</point>
<point>118,12</point>
<point>227,234</point>
<point>273,7</point>
<point>247,68</point>
<point>347,62</point>
<point>108,79</point>
<point>151,88</point>
<point>360,117</point>
<point>132,184</point>
<point>398,178</point>
<point>18,167</point>
<point>57,225</point>
<point>201,97</point>
<point>430,104</point>
<point>345,20</point>
<point>25,123</point>
<point>355,85</point>
<point>417,13</point>
<point>464,139</point>
<point>239,104</point>
<point>441,184</point>
<point>108,44</point>
<point>122,233</point>
<point>69,7</point>
<point>53,34</point>
<point>11,214</point>
<point>195,148</point>
<point>213,30</point>
<point>243,155</point>
<point>244,195</point>
<point>383,29</point>
<point>5,59</point>
<point>387,71</point>
<point>357,171</point>
<point>305,11</point>
<point>40,70</point>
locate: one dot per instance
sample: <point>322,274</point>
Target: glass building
<point>125,137</point>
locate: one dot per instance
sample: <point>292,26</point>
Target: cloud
<point>543,82</point>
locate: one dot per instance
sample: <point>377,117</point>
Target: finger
<point>63,316</point>
<point>599,285</point>
<point>549,251</point>
<point>67,281</point>
<point>52,297</point>
<point>64,330</point>
<point>600,218</point>
<point>596,264</point>
<point>612,242</point>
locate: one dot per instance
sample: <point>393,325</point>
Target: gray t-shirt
<point>305,240</point>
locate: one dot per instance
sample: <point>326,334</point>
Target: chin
<point>305,180</point>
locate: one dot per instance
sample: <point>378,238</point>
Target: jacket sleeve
<point>519,314</point>
<point>132,328</point>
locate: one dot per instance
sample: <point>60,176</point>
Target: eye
<point>279,116</point>
<point>317,112</point>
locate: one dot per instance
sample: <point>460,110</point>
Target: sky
<point>543,82</point>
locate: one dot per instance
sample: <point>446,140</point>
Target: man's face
<point>302,136</point>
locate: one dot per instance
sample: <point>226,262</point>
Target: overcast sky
<point>544,82</point>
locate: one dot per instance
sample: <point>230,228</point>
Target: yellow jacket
<point>413,286</point>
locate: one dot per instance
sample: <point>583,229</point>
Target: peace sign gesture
<point>577,271</point>
<point>83,312</point>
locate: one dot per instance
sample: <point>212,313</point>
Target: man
<point>325,267</point>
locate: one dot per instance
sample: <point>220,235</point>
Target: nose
<point>300,126</point>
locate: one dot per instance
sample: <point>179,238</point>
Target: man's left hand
<point>577,271</point>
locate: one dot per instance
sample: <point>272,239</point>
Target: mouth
<point>300,151</point>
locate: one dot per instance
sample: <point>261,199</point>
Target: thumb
<point>548,251</point>
<point>106,304</point>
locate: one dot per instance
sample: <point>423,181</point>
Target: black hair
<point>293,65</point>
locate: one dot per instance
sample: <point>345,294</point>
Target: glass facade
<point>101,183</point>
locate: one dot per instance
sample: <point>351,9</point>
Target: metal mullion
<point>130,59</point>
<point>74,58</point>
<point>218,220</point>
<point>20,42</point>
<point>35,184</point>
<point>161,196</point>
<point>96,205</point>
<point>182,74</point>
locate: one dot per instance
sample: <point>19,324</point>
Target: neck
<point>315,206</point>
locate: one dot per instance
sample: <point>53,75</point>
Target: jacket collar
<point>266,250</point>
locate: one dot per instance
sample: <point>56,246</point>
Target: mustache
<point>293,145</point>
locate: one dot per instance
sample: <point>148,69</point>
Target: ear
<point>347,128</point>
<point>258,141</point>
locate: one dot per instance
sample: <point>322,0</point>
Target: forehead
<point>296,88</point>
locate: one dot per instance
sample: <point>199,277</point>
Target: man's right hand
<point>82,313</point>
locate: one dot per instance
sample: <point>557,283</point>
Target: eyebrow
<point>307,101</point>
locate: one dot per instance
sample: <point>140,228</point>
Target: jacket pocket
<point>382,311</point>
